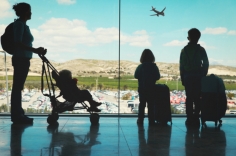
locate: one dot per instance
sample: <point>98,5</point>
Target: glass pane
<point>80,36</point>
<point>166,36</point>
<point>4,83</point>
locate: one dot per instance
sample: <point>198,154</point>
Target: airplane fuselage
<point>157,12</point>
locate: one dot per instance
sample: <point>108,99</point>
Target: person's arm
<point>181,62</point>
<point>205,61</point>
<point>39,50</point>
<point>137,72</point>
<point>19,29</point>
<point>157,73</point>
<point>181,66</point>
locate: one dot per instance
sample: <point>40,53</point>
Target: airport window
<point>101,43</point>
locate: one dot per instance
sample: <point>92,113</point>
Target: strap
<point>42,84</point>
<point>23,24</point>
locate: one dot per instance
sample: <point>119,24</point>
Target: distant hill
<point>107,67</point>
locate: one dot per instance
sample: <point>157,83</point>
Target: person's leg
<point>141,108</point>
<point>21,68</point>
<point>151,104</point>
<point>84,95</point>
<point>197,94</point>
<point>189,98</point>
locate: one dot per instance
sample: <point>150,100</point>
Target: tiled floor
<point>113,136</point>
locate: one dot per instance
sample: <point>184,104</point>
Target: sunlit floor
<point>113,136</point>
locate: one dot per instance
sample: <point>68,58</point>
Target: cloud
<point>138,39</point>
<point>228,62</point>
<point>215,31</point>
<point>67,2</point>
<point>232,32</point>
<point>204,45</point>
<point>2,28</point>
<point>63,35</point>
<point>213,61</point>
<point>5,9</point>
<point>176,43</point>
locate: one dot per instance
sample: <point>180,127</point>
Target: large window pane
<point>167,35</point>
<point>83,36</point>
<point>80,36</point>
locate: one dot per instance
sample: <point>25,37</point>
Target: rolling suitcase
<point>213,99</point>
<point>162,108</point>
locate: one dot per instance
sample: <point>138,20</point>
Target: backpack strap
<point>23,24</point>
<point>13,30</point>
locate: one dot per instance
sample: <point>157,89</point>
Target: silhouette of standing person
<point>147,74</point>
<point>21,60</point>
<point>193,66</point>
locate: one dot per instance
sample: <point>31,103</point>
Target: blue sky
<point>89,29</point>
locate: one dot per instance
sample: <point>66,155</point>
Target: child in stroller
<point>71,92</point>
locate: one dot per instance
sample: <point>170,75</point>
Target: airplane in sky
<point>157,12</point>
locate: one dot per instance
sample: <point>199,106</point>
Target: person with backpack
<point>193,65</point>
<point>21,56</point>
<point>147,74</point>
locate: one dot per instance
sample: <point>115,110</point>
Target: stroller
<point>59,107</point>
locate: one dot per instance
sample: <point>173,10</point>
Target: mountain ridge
<point>80,66</point>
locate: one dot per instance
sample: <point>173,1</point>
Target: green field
<point>104,83</point>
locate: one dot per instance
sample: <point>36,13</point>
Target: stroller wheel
<point>52,119</point>
<point>94,118</point>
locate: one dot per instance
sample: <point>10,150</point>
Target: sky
<point>88,29</point>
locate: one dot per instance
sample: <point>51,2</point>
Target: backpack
<point>7,39</point>
<point>197,62</point>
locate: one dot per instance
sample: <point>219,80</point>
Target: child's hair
<point>147,56</point>
<point>194,35</point>
<point>65,74</point>
<point>21,8</point>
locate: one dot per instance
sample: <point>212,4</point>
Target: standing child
<point>147,74</point>
<point>193,65</point>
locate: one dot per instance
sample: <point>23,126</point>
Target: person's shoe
<point>23,120</point>
<point>93,109</point>
<point>140,121</point>
<point>32,119</point>
<point>95,103</point>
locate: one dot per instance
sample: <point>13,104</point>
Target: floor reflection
<point>78,137</point>
<point>67,143</point>
<point>205,141</point>
<point>16,138</point>
<point>157,141</point>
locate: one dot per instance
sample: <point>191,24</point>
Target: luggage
<point>162,110</point>
<point>213,99</point>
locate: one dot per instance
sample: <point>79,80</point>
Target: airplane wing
<point>163,9</point>
<point>154,15</point>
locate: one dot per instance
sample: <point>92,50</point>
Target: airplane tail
<point>153,8</point>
